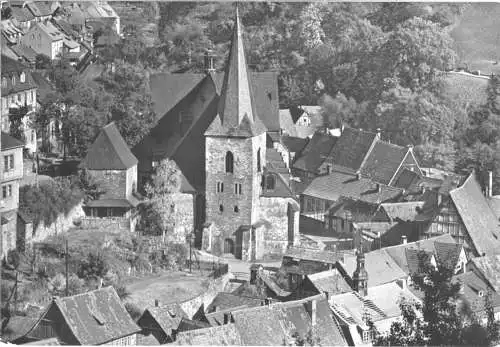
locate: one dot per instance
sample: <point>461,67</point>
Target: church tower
<point>235,155</point>
<point>360,275</point>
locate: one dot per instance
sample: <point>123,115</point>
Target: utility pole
<point>15,293</point>
<point>67,275</point>
<point>190,251</point>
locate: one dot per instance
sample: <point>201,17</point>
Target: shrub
<point>94,266</point>
<point>176,256</point>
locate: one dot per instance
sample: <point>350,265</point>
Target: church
<point>221,130</point>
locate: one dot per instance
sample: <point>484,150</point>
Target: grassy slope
<point>477,36</point>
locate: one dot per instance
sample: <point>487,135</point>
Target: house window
<point>220,187</point>
<point>8,162</point>
<point>7,191</point>
<point>236,209</point>
<point>4,82</point>
<point>19,97</point>
<point>367,336</point>
<point>229,162</point>
<point>328,168</point>
<point>13,80</point>
<point>258,160</point>
<point>23,77</point>
<point>309,205</point>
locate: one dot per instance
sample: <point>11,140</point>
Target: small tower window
<point>270,182</point>
<point>229,162</point>
<point>220,187</point>
<point>236,209</point>
<point>258,160</point>
<point>221,208</point>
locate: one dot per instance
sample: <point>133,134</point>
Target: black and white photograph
<point>250,173</point>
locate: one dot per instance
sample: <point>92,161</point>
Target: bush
<point>94,266</point>
<point>176,256</point>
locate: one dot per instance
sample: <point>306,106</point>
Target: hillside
<point>477,37</point>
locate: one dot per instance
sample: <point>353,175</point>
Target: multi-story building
<point>18,90</point>
<point>45,38</point>
<point>11,173</point>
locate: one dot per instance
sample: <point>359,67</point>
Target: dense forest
<point>369,65</point>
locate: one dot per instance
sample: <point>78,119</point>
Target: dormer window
<point>22,77</point>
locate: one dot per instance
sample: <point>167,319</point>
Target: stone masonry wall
<point>192,306</point>
<point>228,221</point>
<point>62,224</point>
<point>112,182</point>
<point>9,232</point>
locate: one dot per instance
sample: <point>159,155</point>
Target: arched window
<point>258,160</point>
<point>229,162</point>
<point>270,182</point>
<point>236,209</point>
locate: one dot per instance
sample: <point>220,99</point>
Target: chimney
<point>358,175</point>
<point>379,132</point>
<point>490,184</point>
<point>404,240</point>
<point>157,303</point>
<point>209,61</point>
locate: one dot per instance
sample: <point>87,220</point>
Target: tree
<point>158,211</point>
<point>443,318</point>
<point>49,111</point>
<point>93,267</point>
<point>341,110</point>
<point>42,62</point>
<point>16,117</point>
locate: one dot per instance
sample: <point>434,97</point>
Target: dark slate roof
<point>359,210</point>
<point>125,203</point>
<point>25,52</point>
<point>330,281</point>
<point>406,179</point>
<point>189,324</point>
<point>403,211</point>
<point>21,14</point>
<point>479,220</point>
<point>475,291</point>
<point>273,286</point>
<point>315,152</point>
<point>96,317</point>
<point>294,144</point>
<point>265,93</point>
<point>383,161</point>
<point>224,301</point>
<point>18,326</point>
<point>236,114</point>
<point>414,262</point>
<point>9,142</point>
<point>338,184</point>
<point>311,254</point>
<point>222,335</point>
<point>168,317</point>
<point>167,90</point>
<point>109,152</point>
<point>352,148</point>
<point>10,68</point>
<point>40,8</point>
<point>489,266</point>
<point>447,254</point>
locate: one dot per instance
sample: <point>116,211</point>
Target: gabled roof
<point>109,151</point>
<point>50,30</point>
<point>447,253</point>
<point>406,179</point>
<point>312,255</point>
<point>339,184</point>
<point>40,8</point>
<point>25,52</point>
<point>9,142</point>
<point>387,298</point>
<point>294,144</point>
<point>330,281</point>
<point>315,152</point>
<point>236,114</point>
<point>222,335</point>
<point>351,307</point>
<point>475,291</point>
<point>96,317</point>
<point>415,263</point>
<point>225,301</point>
<point>360,211</point>
<point>21,14</point>
<point>352,148</point>
<point>380,266</point>
<point>168,317</point>
<point>286,122</point>
<point>281,188</point>
<point>402,211</point>
<point>489,266</point>
<point>479,220</point>
<point>18,326</point>
<point>383,161</point>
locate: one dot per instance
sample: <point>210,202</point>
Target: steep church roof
<point>109,152</point>
<point>236,113</point>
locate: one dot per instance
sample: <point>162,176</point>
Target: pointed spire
<point>236,109</point>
